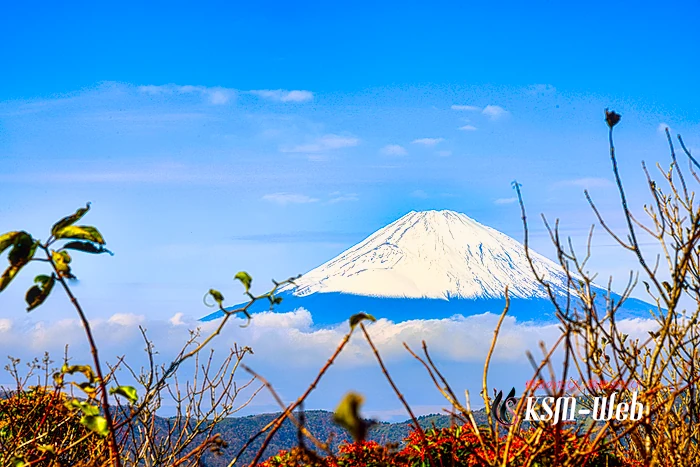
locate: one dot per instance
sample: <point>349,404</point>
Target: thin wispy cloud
<point>218,95</point>
<point>146,174</point>
<point>662,128</point>
<point>495,112</point>
<point>338,197</point>
<point>444,153</point>
<point>283,95</point>
<point>470,108</point>
<point>324,143</point>
<point>500,201</point>
<point>427,141</point>
<point>284,199</point>
<point>585,182</point>
<point>215,95</point>
<point>328,237</point>
<point>393,150</point>
<point>468,128</point>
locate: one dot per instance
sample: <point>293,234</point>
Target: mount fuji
<point>430,265</point>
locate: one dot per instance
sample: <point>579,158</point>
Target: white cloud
<point>471,108</point>
<point>427,141</point>
<point>495,112</point>
<point>282,95</point>
<point>325,143</point>
<point>468,128</point>
<point>289,348</point>
<point>140,173</point>
<point>343,197</point>
<point>444,153</point>
<point>274,336</point>
<point>394,150</point>
<point>505,200</point>
<point>178,319</point>
<point>126,319</point>
<point>289,198</point>
<point>216,95</point>
<point>585,182</point>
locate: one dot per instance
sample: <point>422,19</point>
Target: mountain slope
<point>434,254</point>
<point>432,264</point>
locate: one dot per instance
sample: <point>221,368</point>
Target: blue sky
<point>271,136</point>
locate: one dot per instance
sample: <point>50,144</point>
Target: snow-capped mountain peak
<point>433,254</point>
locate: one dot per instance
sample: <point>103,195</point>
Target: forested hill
<point>236,431</point>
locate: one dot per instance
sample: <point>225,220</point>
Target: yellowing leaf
<point>80,232</point>
<point>245,278</point>
<point>347,415</point>
<point>70,220</point>
<point>7,240</point>
<point>61,260</point>
<point>7,276</point>
<point>84,369</point>
<point>126,391</point>
<point>359,317</point>
<point>85,407</point>
<point>37,294</point>
<point>96,423</point>
<point>217,296</point>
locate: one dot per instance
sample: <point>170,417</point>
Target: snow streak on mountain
<point>434,254</point>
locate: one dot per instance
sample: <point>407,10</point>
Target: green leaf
<point>85,407</point>
<point>126,391</point>
<point>43,279</point>
<point>19,462</point>
<point>245,278</point>
<point>38,293</point>
<point>217,296</point>
<point>359,317</point>
<point>23,250</point>
<point>96,423</point>
<point>70,220</point>
<point>86,247</point>
<point>7,240</point>
<point>347,415</point>
<point>81,232</point>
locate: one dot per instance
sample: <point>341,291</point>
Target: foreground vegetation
<point>47,424</point>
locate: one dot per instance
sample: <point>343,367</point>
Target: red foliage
<point>459,446</point>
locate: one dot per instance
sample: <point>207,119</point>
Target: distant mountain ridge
<point>433,265</point>
<point>237,430</point>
